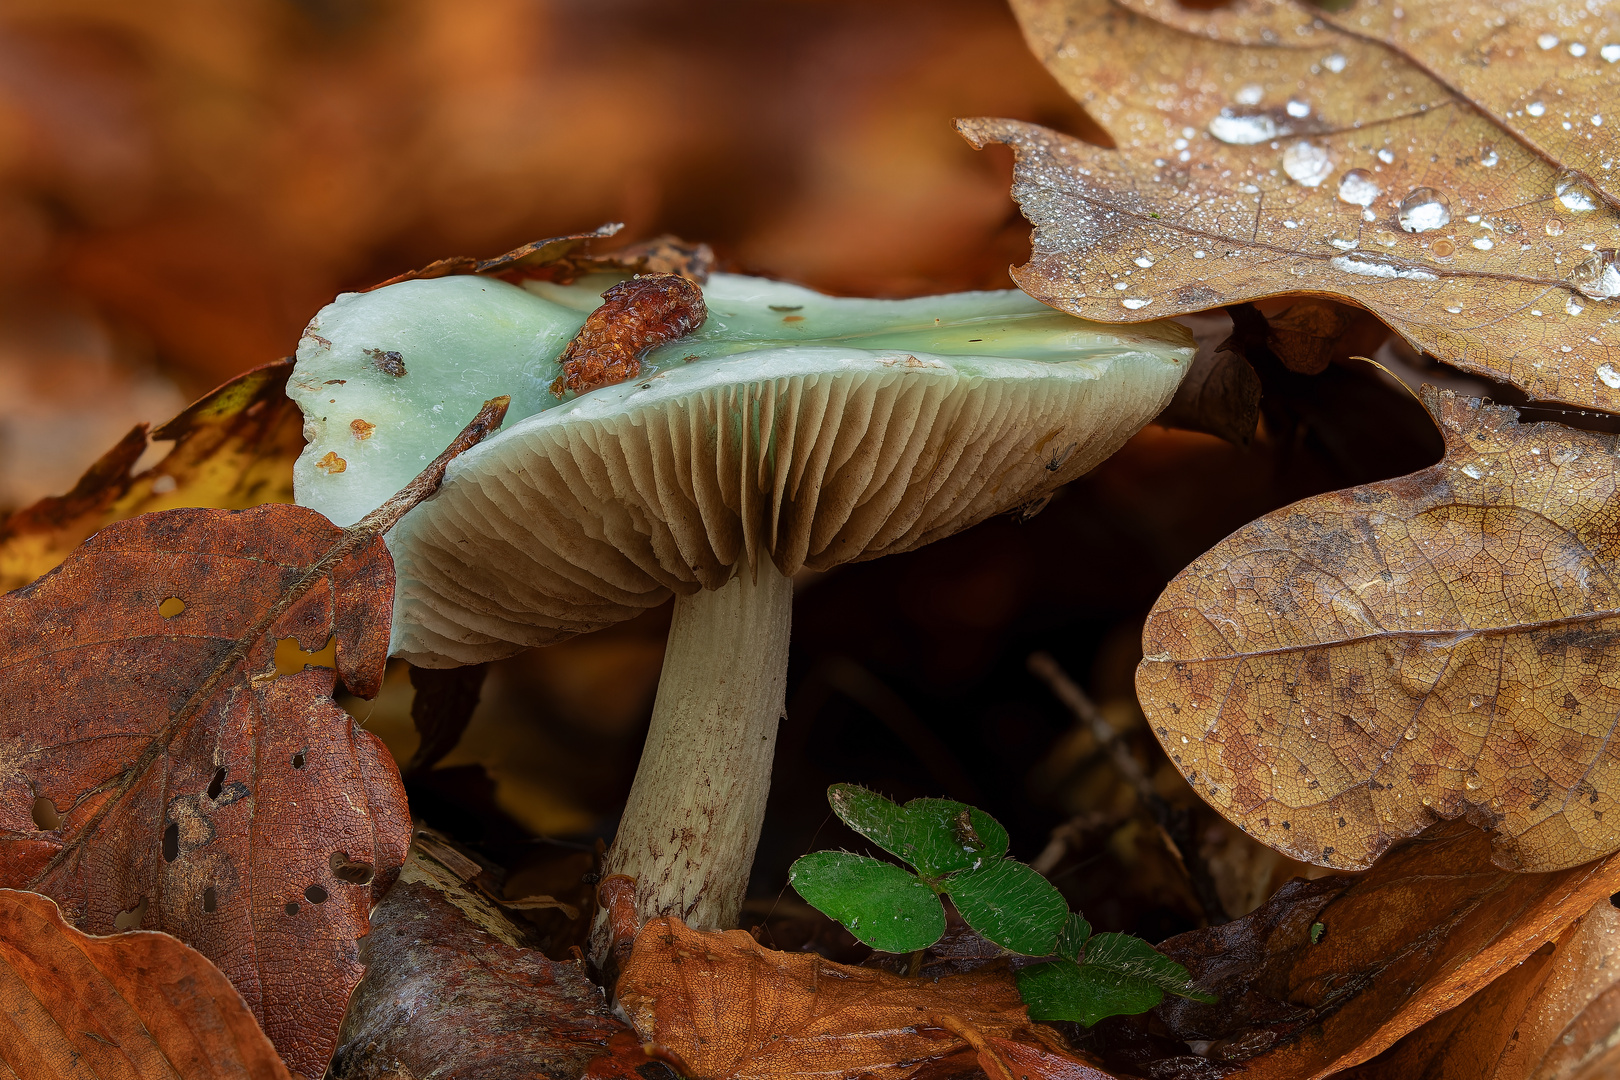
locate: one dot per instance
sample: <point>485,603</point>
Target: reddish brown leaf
<point>635,316</point>
<point>1556,1014</point>
<point>155,770</point>
<point>730,1008</point>
<point>486,1007</point>
<point>140,1006</point>
<point>233,448</point>
<point>1433,923</point>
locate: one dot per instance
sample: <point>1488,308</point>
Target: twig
<point>1174,824</point>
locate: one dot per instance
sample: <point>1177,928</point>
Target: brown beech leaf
<point>1330,973</point>
<point>233,448</point>
<point>1328,164</point>
<point>728,1008</point>
<point>1346,670</point>
<point>487,1007</point>
<point>157,768</point>
<point>1557,1014</point>
<point>141,1006</point>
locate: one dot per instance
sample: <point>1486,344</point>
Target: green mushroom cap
<point>796,427</point>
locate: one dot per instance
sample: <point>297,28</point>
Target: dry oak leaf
<point>1346,670</point>
<point>1330,973</point>
<point>138,1006</point>
<point>1502,56</point>
<point>731,1009</point>
<point>1328,164</point>
<point>156,771</point>
<point>233,448</point>
<point>1555,1015</point>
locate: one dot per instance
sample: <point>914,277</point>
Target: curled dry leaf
<point>233,448</point>
<point>1555,1015</point>
<point>531,256</point>
<point>1330,973</point>
<point>141,1006</point>
<point>441,710</point>
<point>1346,670</point>
<point>1335,164</point>
<point>1221,394</point>
<point>157,769</point>
<point>452,991</point>
<point>566,258</point>
<point>729,1009</point>
<point>635,316</point>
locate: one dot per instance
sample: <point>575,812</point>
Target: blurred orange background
<point>183,183</point>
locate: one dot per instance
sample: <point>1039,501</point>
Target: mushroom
<point>793,430</point>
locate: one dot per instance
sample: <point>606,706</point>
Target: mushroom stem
<point>692,822</point>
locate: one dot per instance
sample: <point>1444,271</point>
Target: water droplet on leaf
<point>1307,164</point>
<point>1423,209</point>
<point>1387,156</point>
<point>1598,278</point>
<point>1572,193</point>
<point>1242,130</point>
<point>1358,188</point>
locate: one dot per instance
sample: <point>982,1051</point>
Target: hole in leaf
<point>45,815</point>
<point>1615,900</point>
<point>171,607</point>
<point>290,659</point>
<point>129,920</point>
<point>353,871</point>
<point>216,783</point>
<point>298,760</point>
<point>210,899</point>
<point>171,842</point>
<point>315,894</point>
<point>292,909</point>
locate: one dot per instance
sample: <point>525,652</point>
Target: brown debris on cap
<point>564,259</point>
<point>538,254</point>
<point>635,316</point>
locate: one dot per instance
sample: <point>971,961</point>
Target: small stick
<point>1175,825</point>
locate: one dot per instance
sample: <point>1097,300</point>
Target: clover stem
<point>692,822</point>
